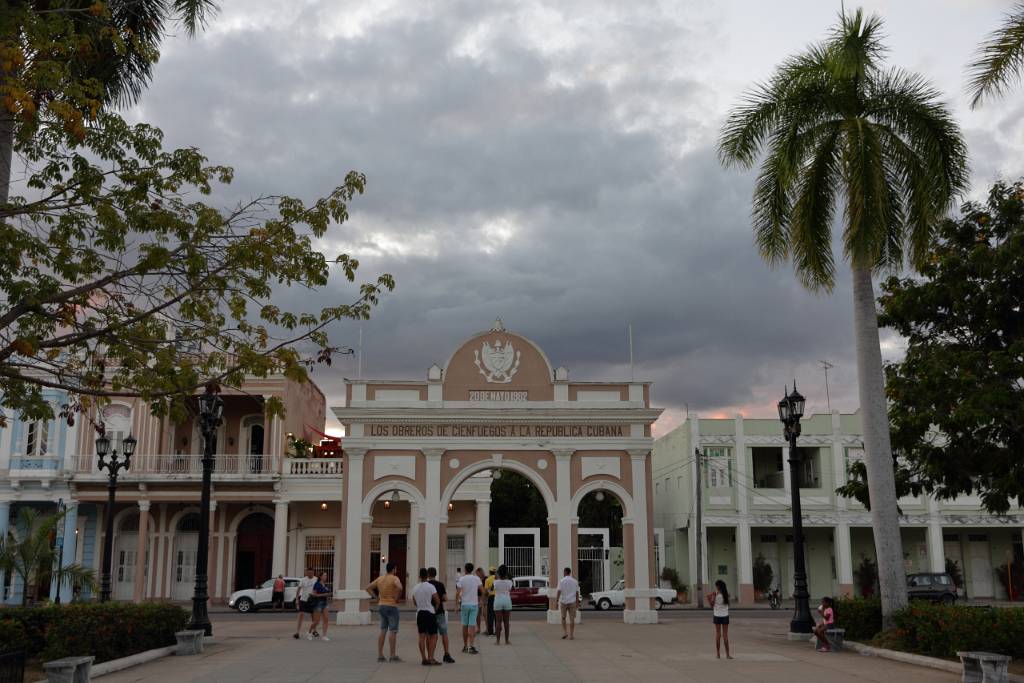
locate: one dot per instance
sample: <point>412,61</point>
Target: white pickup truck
<point>616,597</point>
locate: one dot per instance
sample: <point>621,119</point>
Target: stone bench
<point>984,667</point>
<point>835,638</point>
<point>69,670</point>
<point>190,642</point>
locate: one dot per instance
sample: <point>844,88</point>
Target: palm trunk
<point>877,448</point>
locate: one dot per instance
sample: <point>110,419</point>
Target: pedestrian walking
<point>387,588</point>
<point>718,601</point>
<point>482,612</point>
<point>424,596</point>
<point>502,603</point>
<point>442,616</point>
<point>467,597</point>
<point>319,597</point>
<point>277,596</point>
<point>828,619</point>
<point>302,604</point>
<point>568,602</point>
<point>489,591</point>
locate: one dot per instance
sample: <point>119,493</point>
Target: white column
<point>936,547</point>
<point>642,613</point>
<point>351,615</point>
<point>412,562</point>
<point>563,514</point>
<point>280,537</point>
<point>482,543</point>
<point>139,579</point>
<point>746,562</point>
<point>432,513</point>
<point>70,546</point>
<point>844,555</point>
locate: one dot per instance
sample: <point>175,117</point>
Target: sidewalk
<point>681,649</point>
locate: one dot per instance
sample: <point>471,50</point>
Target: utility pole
<point>700,536</point>
<point>826,366</point>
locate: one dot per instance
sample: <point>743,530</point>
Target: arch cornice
<point>628,505</point>
<point>242,514</point>
<point>507,462</point>
<point>404,486</point>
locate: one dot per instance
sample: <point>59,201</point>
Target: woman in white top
<point>502,603</point>
<point>719,603</point>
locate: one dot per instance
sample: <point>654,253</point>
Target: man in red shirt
<point>277,598</point>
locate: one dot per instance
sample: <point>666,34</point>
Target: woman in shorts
<point>502,603</point>
<point>719,603</point>
<point>319,599</point>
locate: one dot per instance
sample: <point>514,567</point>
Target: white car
<point>251,599</point>
<point>616,597</point>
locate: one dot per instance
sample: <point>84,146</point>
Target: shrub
<point>108,631</point>
<point>763,574</point>
<point>867,577</point>
<point>670,575</point>
<point>12,637</point>
<point>953,569</point>
<point>939,631</point>
<point>861,617</point>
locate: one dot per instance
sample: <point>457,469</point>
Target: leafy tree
<point>61,61</point>
<point>957,397</point>
<point>516,502</point>
<point>840,129</point>
<point>602,514</point>
<point>116,281</point>
<point>1000,59</point>
<point>28,552</point>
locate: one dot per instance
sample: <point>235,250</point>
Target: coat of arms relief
<point>498,363</point>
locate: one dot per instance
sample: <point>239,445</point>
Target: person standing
<point>424,596</point>
<point>489,590</point>
<point>719,603</point>
<point>483,598</point>
<point>302,604</point>
<point>502,603</point>
<point>319,597</point>
<point>568,602</point>
<point>277,597</point>
<point>442,616</point>
<point>387,588</point>
<point>467,597</point>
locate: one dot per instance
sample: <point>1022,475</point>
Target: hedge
<point>108,631</point>
<point>939,631</point>
<point>861,617</point>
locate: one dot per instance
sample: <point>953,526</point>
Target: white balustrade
<point>186,464</point>
<point>313,467</point>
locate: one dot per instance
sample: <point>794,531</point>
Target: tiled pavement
<point>680,650</point>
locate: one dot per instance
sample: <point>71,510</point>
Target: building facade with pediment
<point>746,511</point>
<point>419,454</point>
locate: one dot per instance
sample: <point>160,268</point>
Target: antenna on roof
<point>632,371</point>
<point>826,366</point>
<point>360,370</point>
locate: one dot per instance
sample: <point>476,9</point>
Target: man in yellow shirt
<point>387,588</point>
<point>489,589</point>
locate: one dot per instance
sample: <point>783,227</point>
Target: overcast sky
<point>552,163</point>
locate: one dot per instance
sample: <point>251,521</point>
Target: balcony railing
<point>188,465</point>
<point>313,467</point>
<point>44,465</point>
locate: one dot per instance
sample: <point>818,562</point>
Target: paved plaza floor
<point>260,648</point>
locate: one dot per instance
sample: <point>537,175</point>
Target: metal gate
<point>320,556</point>
<point>591,564</point>
<point>520,560</point>
<point>456,558</point>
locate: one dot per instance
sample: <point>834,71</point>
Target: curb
<point>918,660</point>
<point>113,665</point>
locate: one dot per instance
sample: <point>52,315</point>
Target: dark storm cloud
<point>564,180</point>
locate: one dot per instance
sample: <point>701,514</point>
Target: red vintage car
<point>530,591</point>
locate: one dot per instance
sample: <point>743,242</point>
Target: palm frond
<point>999,60</point>
<point>869,214</point>
<point>811,228</point>
<point>855,45</point>
<point>195,14</point>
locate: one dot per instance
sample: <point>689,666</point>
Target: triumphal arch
<point>497,404</point>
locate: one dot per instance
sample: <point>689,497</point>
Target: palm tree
<point>1000,59</point>
<point>839,129</point>
<point>52,65</point>
<point>28,552</point>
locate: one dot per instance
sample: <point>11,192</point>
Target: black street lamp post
<point>211,407</point>
<point>791,409</point>
<point>113,466</point>
<point>59,540</point>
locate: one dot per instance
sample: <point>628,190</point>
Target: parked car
<point>937,587</point>
<point>252,599</point>
<point>616,597</point>
<point>530,591</point>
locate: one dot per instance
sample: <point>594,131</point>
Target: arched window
<point>130,524</point>
<point>189,523</point>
